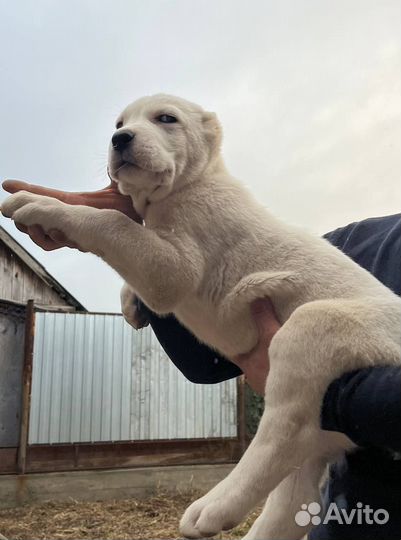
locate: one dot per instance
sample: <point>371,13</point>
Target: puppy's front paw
<point>208,516</point>
<point>30,209</point>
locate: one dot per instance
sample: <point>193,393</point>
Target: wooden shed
<point>22,278</point>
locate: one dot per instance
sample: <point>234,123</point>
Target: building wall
<point>12,331</point>
<point>19,283</point>
<point>97,379</point>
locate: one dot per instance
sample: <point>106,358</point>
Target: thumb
<point>263,314</point>
<point>12,186</point>
<point>262,310</point>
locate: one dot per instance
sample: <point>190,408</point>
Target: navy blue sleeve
<point>366,404</point>
<point>375,244</point>
<point>197,362</point>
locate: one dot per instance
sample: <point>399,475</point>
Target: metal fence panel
<point>97,379</point>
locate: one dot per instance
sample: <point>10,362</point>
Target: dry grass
<point>153,518</point>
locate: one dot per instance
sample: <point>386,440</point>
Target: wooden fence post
<point>26,386</point>
<point>241,415</point>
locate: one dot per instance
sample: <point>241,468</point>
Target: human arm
<point>363,404</point>
<point>366,406</point>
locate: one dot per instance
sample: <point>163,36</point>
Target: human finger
<point>13,186</point>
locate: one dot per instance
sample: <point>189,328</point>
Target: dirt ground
<point>153,518</point>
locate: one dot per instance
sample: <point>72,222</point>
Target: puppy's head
<point>159,142</point>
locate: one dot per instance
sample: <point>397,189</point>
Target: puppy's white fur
<point>207,250</point>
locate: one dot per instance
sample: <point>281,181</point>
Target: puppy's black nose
<point>121,138</point>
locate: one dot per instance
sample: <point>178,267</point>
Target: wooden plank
<point>19,283</point>
<point>8,460</point>
<point>135,454</point>
<point>26,385</point>
<point>12,327</point>
<point>31,272</point>
<point>241,416</point>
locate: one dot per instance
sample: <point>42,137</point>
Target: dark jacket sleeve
<point>366,404</point>
<point>199,363</point>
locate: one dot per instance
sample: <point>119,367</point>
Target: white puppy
<point>208,249</point>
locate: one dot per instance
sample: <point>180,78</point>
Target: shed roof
<point>38,269</point>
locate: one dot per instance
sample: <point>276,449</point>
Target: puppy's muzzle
<point>121,139</point>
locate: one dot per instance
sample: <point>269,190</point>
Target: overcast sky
<point>308,92</point>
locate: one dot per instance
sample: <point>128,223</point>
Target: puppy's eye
<point>119,124</point>
<point>166,119</point>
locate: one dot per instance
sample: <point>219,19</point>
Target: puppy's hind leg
<point>302,364</point>
<point>279,516</point>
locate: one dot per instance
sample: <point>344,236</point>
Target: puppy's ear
<point>212,129</point>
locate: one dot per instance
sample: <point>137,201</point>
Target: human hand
<point>107,198</point>
<point>255,364</point>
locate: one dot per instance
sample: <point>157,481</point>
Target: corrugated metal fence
<point>97,379</point>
